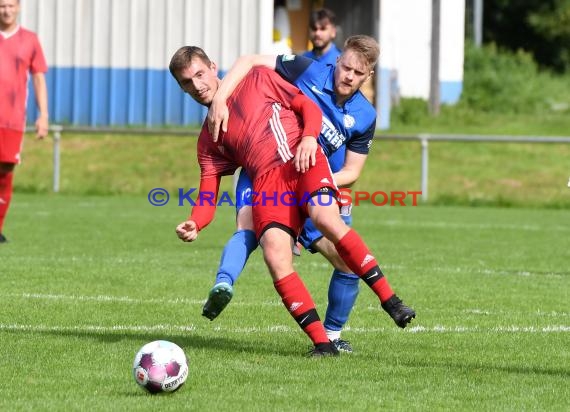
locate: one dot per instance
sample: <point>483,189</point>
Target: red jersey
<point>264,128</point>
<point>268,116</point>
<point>20,54</point>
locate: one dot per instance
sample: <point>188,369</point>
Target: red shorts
<point>10,145</point>
<point>281,196</point>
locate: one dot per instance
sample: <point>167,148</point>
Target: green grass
<point>461,173</point>
<point>87,280</point>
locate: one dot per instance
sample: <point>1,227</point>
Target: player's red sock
<point>356,255</point>
<point>301,306</point>
<point>5,195</point>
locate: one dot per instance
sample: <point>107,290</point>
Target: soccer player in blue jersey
<point>349,122</point>
<point>322,32</point>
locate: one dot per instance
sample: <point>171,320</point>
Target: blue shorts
<point>310,234</point>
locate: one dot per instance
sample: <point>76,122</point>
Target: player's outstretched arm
<point>218,112</point>
<point>306,153</point>
<point>40,88</point>
<point>203,210</point>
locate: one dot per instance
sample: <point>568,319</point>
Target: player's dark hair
<point>184,56</point>
<point>320,15</point>
<point>364,45</point>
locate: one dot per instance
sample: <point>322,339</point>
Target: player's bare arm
<point>218,111</point>
<point>40,88</point>
<point>305,157</point>
<point>351,169</point>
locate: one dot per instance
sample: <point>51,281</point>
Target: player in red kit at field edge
<point>272,134</point>
<point>20,54</point>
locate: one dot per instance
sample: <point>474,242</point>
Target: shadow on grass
<point>480,367</point>
<point>186,341</point>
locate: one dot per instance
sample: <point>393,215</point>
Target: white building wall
<point>109,59</point>
<point>405,42</point>
<point>452,45</point>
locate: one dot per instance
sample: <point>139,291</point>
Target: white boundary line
<point>124,299</point>
<point>14,327</point>
<point>481,226</point>
<point>182,301</point>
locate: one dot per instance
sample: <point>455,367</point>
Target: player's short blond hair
<point>364,45</point>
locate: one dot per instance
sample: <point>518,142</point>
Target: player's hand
<point>306,155</point>
<point>218,115</point>
<point>187,231</point>
<point>42,126</point>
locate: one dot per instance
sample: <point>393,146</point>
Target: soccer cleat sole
<point>219,297</point>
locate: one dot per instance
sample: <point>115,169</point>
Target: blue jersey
<point>351,125</point>
<point>328,58</point>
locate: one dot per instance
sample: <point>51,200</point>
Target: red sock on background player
<point>5,195</point>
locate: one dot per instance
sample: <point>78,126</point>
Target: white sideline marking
<point>182,301</point>
<point>497,329</point>
<point>281,329</point>
<point>483,226</point>
<point>552,314</point>
<point>126,299</point>
<point>106,298</point>
<point>96,328</point>
<point>484,271</point>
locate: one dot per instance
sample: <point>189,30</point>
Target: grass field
<point>86,281</point>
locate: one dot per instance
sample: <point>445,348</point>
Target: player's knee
<point>329,222</point>
<point>244,219</point>
<point>279,260</point>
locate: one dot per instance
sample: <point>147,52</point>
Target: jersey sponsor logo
<point>316,90</point>
<point>331,134</point>
<point>288,57</point>
<point>348,121</point>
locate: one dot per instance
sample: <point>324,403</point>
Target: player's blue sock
<point>235,255</point>
<point>343,290</point>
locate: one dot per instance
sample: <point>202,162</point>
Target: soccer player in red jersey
<point>271,132</point>
<point>20,54</point>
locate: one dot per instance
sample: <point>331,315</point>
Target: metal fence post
<point>56,155</point>
<point>425,159</point>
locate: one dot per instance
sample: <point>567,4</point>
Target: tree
<point>541,27</point>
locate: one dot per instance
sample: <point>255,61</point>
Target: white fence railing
<point>423,138</point>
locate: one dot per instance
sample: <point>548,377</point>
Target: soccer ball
<point>160,366</point>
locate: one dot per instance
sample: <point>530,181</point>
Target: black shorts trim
<point>278,225</point>
<point>326,190</point>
